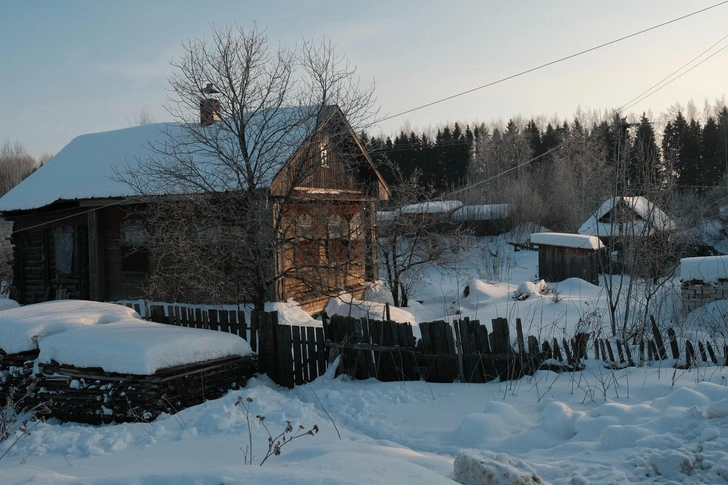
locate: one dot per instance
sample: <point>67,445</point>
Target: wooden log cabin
<point>78,231</point>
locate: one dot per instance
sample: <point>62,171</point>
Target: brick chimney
<point>209,107</point>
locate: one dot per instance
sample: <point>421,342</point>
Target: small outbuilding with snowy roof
<point>627,217</point>
<point>79,233</point>
<point>562,256</point>
<point>483,220</point>
<point>636,233</point>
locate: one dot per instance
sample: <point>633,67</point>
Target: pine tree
<point>723,141</point>
<point>680,151</point>
<point>643,166</point>
<point>710,154</point>
<point>533,136</point>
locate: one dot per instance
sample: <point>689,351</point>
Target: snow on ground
<point>650,424</point>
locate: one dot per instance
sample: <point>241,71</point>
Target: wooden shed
<point>483,220</point>
<point>562,256</point>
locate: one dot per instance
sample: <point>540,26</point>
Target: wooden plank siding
<point>325,251</point>
<point>557,263</point>
<point>37,275</point>
<point>117,284</point>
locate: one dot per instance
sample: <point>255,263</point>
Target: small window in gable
<point>324,153</point>
<point>133,233</point>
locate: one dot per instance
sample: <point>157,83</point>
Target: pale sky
<point>73,67</point>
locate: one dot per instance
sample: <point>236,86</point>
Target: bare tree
<point>44,157</point>
<point>15,165</point>
<point>144,117</point>
<point>220,237</point>
<point>411,238</point>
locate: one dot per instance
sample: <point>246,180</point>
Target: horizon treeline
<point>563,170</point>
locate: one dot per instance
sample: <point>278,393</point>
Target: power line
<point>646,94</point>
<point>562,59</point>
<point>584,133</point>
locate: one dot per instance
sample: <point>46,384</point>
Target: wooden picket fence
<point>463,350</point>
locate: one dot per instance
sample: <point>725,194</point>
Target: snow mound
<point>7,303</point>
<point>475,467</point>
<point>527,289</point>
<point>378,292</point>
<point>112,337</point>
<point>139,347</point>
<point>717,409</point>
<point>290,313</point>
<point>672,465</point>
<point>21,328</point>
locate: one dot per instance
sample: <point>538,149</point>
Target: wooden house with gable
<point>77,232</point>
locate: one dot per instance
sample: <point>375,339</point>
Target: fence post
<point>156,314</point>
<point>267,326</point>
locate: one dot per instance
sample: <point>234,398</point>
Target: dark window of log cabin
<point>63,240</point>
<point>306,253</point>
<point>209,233</point>
<point>134,249</point>
<point>339,251</point>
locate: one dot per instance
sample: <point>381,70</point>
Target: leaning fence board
<point>673,343</point>
<point>713,358</point>
<point>658,339</point>
<point>701,347</point>
<point>689,353</point>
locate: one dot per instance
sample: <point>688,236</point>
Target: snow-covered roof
<point>387,215</point>
<point>434,207</point>
<point>708,268</point>
<point>87,167</point>
<point>488,212</point>
<point>577,241</point>
<point>113,337</point>
<point>648,219</point>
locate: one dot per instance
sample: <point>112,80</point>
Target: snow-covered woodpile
<point>93,396</point>
<point>98,362</point>
<point>703,280</point>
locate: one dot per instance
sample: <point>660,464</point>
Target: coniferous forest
<point>556,173</point>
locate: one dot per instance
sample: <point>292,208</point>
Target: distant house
<point>77,233</point>
<point>629,226</point>
<point>562,256</point>
<point>627,217</point>
<point>483,220</point>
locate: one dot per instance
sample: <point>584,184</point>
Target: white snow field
<point>646,424</point>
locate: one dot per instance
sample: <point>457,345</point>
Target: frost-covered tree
<point>15,165</point>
